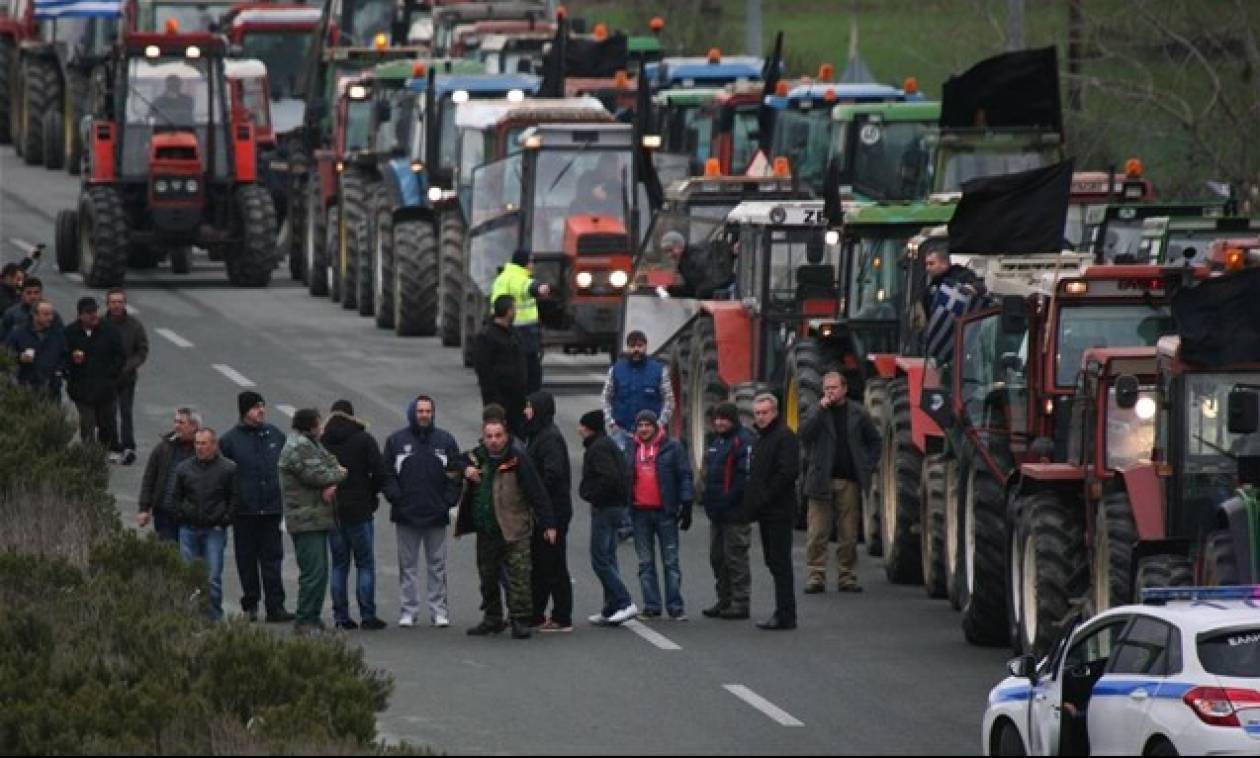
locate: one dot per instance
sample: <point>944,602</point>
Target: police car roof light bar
<point>1161,595</point>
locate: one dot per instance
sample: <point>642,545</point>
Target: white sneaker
<point>624,615</point>
<point>598,619</point>
<point>441,622</point>
<point>407,620</point>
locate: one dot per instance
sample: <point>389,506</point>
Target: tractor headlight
<point>435,194</point>
<point>584,279</point>
<point>161,186</point>
<point>191,186</point>
<point>618,278</point>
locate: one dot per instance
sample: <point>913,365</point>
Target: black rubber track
<point>450,275</point>
<point>902,462</point>
<point>415,278</point>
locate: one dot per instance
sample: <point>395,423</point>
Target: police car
<point>1179,674</point>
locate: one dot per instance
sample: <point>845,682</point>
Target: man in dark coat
<point>40,350</point>
<point>550,571</point>
<point>499,359</point>
<point>346,437</point>
<point>605,485</point>
<point>769,499</point>
<point>173,449</point>
<point>843,449</point>
<point>421,481</point>
<point>96,363</point>
<point>135,343</point>
<point>204,494</point>
<point>255,446</point>
<point>12,276</point>
<point>725,477</point>
<point>19,313</point>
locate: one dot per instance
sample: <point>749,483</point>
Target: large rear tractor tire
<point>901,466</point>
<point>1115,534</point>
<point>354,209</point>
<point>1047,570</point>
<point>955,579</point>
<point>298,198</point>
<point>67,241</point>
<point>102,237</point>
<point>334,249</point>
<point>1164,571</point>
<point>53,130</point>
<point>415,278</point>
<point>42,93</point>
<point>365,277</point>
<point>450,276</point>
<point>1220,560</point>
<point>314,239</point>
<point>875,398</point>
<point>706,389</point>
<point>932,525</point>
<point>7,51</point>
<point>984,619</point>
<point>250,263</point>
<point>801,393</point>
<point>383,264</point>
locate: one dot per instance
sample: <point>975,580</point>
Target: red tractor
<point>169,166</point>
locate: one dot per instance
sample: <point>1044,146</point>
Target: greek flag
<point>951,302</point>
<point>53,9</point>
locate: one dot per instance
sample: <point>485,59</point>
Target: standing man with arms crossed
<point>255,447</point>
<point>135,344</point>
<point>769,499</point>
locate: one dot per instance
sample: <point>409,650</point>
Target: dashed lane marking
<point>177,340</point>
<point>777,714</point>
<point>287,410</point>
<point>651,635</point>
<point>236,376</point>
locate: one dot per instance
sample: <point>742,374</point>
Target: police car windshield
<point>1100,325</point>
<point>1235,653</point>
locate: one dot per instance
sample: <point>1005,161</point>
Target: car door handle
<point>1139,694</point>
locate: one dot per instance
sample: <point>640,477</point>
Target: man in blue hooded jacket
<point>421,482</point>
<point>726,460</point>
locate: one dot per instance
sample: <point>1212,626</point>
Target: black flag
<point>1219,320</point>
<point>1013,213</point>
<point>765,114</point>
<point>1008,90</point>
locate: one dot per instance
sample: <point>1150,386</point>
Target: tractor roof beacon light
<point>714,56</point>
<point>621,79</point>
<point>380,42</point>
<point>1133,168</point>
<point>657,24</point>
<point>826,72</point>
<point>782,169</point>
<point>781,89</point>
<point>561,13</point>
<point>713,167</point>
<point>419,70</point>
<point>830,95</point>
<point>910,86</point>
<point>1234,259</point>
<point>600,32</point>
<point>172,26</point>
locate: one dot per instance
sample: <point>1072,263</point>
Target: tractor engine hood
<point>175,153</point>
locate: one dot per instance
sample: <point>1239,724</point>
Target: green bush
<point>105,643</point>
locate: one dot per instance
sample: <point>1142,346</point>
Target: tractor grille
<point>603,244</point>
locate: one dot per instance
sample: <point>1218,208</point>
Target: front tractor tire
<point>103,237</point>
<point>706,388</point>
<point>983,558</point>
<point>932,494</point>
<point>383,264</point>
<point>415,278</point>
<point>315,254</point>
<point>1115,535</point>
<point>1047,568</point>
<point>801,393</point>
<point>250,263</point>
<point>875,398</point>
<point>1220,560</point>
<point>54,137</point>
<point>901,466</point>
<point>67,241</point>
<point>355,209</point>
<point>42,93</point>
<point>365,275</point>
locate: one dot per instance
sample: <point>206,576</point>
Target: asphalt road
<point>885,672</point>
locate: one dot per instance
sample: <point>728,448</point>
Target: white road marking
<point>651,635</point>
<point>287,410</point>
<point>765,706</point>
<point>233,374</point>
<point>174,338</point>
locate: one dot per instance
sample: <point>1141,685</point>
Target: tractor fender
<point>406,187</point>
<point>883,365</point>
<point>921,424</point>
<point>733,328</point>
<point>1240,516</point>
<point>1030,478</point>
<point>1146,497</point>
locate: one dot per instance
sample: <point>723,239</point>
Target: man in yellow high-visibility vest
<point>515,280</point>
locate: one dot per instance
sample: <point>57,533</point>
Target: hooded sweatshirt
<point>346,437</point>
<point>550,455</point>
<point>420,473</point>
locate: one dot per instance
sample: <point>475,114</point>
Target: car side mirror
<point>1023,667</point>
<point>1127,388</point>
<point>1244,411</point>
<point>1014,314</point>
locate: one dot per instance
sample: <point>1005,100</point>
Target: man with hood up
<point>420,478</point>
<point>550,572</point>
<point>346,437</point>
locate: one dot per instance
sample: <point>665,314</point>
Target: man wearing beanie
<point>725,470</point>
<point>660,499</point>
<point>255,447</point>
<point>604,486</point>
<point>516,281</point>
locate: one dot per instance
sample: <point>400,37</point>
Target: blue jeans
<point>650,526</point>
<point>344,541</point>
<point>207,544</point>
<point>604,525</point>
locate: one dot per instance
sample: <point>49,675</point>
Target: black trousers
<point>531,344</point>
<point>259,551</point>
<point>776,545</point>
<point>96,421</point>
<point>550,578</point>
<point>125,439</point>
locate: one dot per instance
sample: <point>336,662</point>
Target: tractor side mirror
<point>1244,412</point>
<point>1127,391</point>
<point>384,112</point>
<point>1023,667</point>
<point>1014,314</point>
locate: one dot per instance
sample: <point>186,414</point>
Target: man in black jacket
<point>769,499</point>
<point>40,350</point>
<point>346,437</point>
<point>606,486</point>
<point>135,343</point>
<point>96,363</point>
<point>550,573</point>
<point>159,471</point>
<point>421,481</point>
<point>499,360</point>
<point>725,476</point>
<point>204,494</point>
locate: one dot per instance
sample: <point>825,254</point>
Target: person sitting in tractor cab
<point>705,269</point>
<point>172,106</point>
<point>599,190</point>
